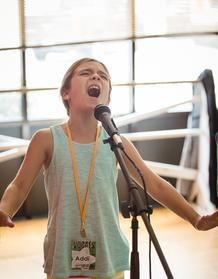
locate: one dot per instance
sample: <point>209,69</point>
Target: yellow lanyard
<point>82,207</point>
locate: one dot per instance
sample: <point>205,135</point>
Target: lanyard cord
<point>82,207</point>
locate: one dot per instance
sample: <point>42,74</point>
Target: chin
<point>92,106</point>
<point>96,102</point>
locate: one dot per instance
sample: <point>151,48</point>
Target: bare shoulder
<point>37,156</point>
<point>42,136</point>
<point>42,141</point>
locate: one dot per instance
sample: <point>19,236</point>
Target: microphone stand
<point>139,208</point>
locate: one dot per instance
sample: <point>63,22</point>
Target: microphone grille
<point>99,109</point>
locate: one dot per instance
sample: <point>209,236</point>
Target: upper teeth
<point>94,86</point>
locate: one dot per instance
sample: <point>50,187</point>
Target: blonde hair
<point>65,85</point>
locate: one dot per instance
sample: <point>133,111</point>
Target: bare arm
<point>165,193</point>
<point>17,191</point>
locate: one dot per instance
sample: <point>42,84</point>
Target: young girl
<point>83,237</point>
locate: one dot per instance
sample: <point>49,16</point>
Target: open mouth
<point>94,91</point>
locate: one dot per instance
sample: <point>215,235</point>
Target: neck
<point>83,128</point>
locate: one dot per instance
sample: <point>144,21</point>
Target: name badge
<point>83,255</point>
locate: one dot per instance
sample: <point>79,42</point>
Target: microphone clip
<point>112,143</point>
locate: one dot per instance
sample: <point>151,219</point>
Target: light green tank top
<point>102,222</point>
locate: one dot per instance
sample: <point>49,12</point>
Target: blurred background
<point>154,51</point>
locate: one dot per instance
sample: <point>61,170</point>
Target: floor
<point>189,253</point>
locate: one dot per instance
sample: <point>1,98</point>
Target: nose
<point>95,76</point>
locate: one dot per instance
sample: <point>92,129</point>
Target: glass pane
<point>10,69</point>
<point>9,23</point>
<point>11,107</point>
<point>176,59</point>
<point>46,66</point>
<point>170,16</point>
<point>153,97</point>
<point>121,95</point>
<point>48,104</point>
<point>45,105</point>
<point>59,21</point>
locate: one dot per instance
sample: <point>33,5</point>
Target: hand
<point>207,222</point>
<point>5,220</point>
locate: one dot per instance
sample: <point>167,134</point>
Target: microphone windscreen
<point>99,109</point>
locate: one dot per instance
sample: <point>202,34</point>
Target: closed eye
<point>84,73</point>
<point>100,73</point>
<point>104,76</point>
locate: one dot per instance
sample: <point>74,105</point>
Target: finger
<point>214,219</point>
<point>209,221</point>
<point>216,215</point>
<point>9,223</point>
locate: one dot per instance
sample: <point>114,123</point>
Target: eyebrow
<point>90,70</point>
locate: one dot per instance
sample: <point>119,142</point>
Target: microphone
<point>103,114</point>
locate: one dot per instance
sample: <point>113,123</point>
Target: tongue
<point>94,92</point>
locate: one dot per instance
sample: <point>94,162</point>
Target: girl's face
<point>89,87</point>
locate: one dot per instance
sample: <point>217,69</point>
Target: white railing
<point>11,147</point>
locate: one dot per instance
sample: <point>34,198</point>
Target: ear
<point>65,95</point>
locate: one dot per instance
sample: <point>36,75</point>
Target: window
<point>174,59</point>
<point>154,97</point>
<point>140,41</point>
<point>62,21</point>
<point>11,107</point>
<point>10,69</point>
<point>40,108</point>
<point>162,17</point>
<point>121,95</point>
<point>9,24</point>
<point>46,66</point>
